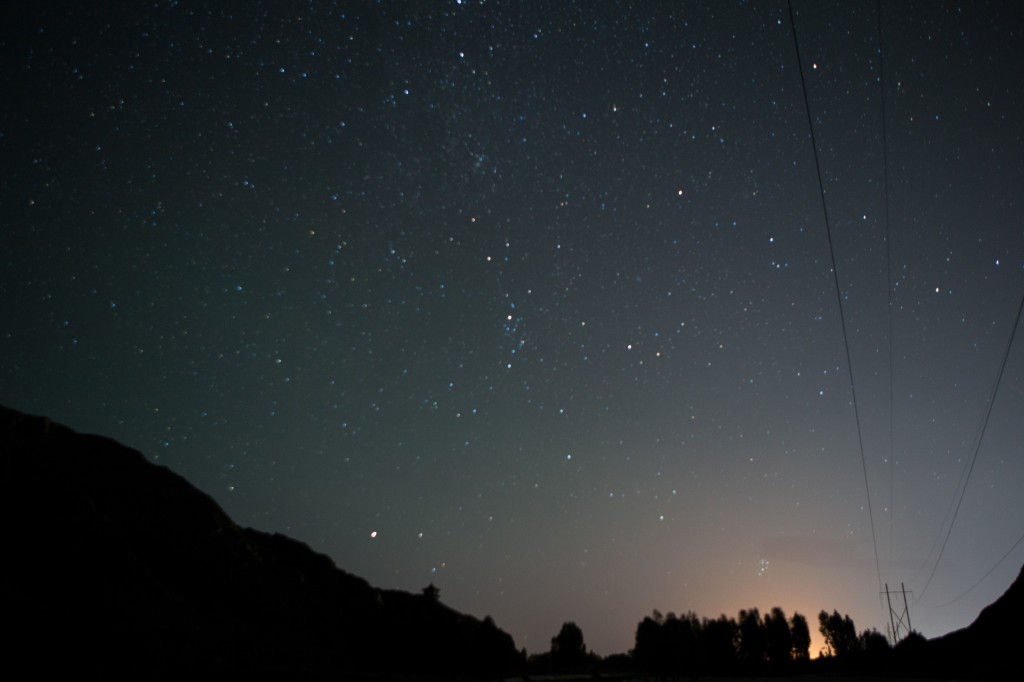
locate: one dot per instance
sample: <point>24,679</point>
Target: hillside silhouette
<point>118,565</point>
<point>986,648</point>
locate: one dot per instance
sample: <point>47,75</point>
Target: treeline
<point>751,643</point>
<point>677,644</point>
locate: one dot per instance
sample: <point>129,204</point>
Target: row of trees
<point>669,644</point>
<point>750,643</point>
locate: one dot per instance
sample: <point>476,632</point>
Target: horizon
<point>536,303</point>
<point>433,592</point>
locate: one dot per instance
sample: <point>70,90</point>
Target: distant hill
<point>116,565</point>
<point>988,646</point>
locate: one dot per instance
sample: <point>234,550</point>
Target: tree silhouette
<point>839,633</point>
<point>779,641</point>
<point>679,637</point>
<point>800,637</point>
<point>873,643</point>
<point>719,643</point>
<point>567,649</point>
<point>647,650</point>
<point>674,645</point>
<point>751,644</point>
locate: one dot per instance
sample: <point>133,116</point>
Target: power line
<point>982,578</point>
<point>977,445</point>
<point>949,511</point>
<point>839,296</point>
<point>960,485</point>
<point>889,286</point>
<point>961,482</point>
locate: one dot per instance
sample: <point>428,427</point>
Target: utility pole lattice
<point>899,620</point>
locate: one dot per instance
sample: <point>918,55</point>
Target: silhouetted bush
<point>568,652</point>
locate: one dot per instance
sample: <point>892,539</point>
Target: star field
<point>535,301</point>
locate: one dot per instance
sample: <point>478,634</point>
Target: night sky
<point>534,301</point>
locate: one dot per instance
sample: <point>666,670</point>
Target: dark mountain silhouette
<point>117,565</point>
<point>986,648</point>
